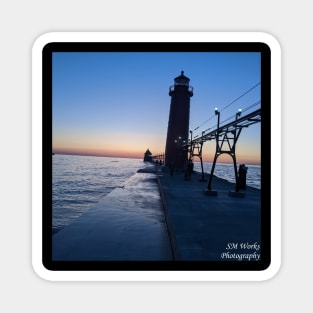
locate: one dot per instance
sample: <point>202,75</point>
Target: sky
<point>117,104</point>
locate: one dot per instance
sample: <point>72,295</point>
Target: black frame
<point>47,51</point>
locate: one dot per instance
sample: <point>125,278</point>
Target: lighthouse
<point>178,122</point>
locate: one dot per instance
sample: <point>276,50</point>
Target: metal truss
<point>226,137</point>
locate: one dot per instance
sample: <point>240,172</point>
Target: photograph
<point>156,156</point>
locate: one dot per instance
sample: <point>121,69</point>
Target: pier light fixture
<point>238,113</point>
<point>218,113</point>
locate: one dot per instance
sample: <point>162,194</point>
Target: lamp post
<point>238,113</point>
<point>191,146</point>
<point>233,150</point>
<point>201,145</point>
<point>217,112</point>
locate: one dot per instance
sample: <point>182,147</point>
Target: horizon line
<point>128,157</point>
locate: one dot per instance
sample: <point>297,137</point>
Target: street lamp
<point>201,145</point>
<point>218,113</point>
<point>238,113</point>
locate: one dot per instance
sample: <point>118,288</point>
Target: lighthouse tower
<point>178,122</point>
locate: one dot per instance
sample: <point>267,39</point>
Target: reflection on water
<point>80,181</point>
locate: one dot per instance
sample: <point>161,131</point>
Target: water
<point>80,181</point>
<point>227,172</point>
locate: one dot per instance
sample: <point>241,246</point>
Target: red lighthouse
<point>178,122</point>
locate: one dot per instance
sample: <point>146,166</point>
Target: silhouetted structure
<point>178,123</point>
<point>242,177</point>
<point>147,156</point>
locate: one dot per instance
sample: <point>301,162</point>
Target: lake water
<point>81,181</point>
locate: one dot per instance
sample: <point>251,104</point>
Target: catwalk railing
<point>226,137</point>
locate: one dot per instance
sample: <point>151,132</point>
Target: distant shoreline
<point>141,158</point>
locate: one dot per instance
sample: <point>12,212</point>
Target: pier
<point>201,227</point>
<point>159,217</point>
<point>126,225</point>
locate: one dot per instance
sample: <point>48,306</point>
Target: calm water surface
<point>80,181</point>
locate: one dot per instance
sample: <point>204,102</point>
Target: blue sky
<point>117,104</point>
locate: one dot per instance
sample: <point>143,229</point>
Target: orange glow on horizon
<point>134,146</point>
<point>124,145</point>
<point>101,153</point>
<point>247,159</point>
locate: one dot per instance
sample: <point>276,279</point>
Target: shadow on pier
<point>201,226</point>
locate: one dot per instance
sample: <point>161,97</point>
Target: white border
<point>37,156</point>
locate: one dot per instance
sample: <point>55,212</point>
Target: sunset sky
<point>117,104</point>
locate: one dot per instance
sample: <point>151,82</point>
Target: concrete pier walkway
<point>205,227</point>
<point>126,225</point>
<point>159,217</point>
